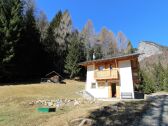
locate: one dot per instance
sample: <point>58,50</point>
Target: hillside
<point>152,53</point>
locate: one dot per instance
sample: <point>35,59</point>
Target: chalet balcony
<point>107,74</point>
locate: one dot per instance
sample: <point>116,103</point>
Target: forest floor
<point>16,108</point>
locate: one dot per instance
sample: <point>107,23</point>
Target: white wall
<point>126,81</point>
<point>90,77</point>
<point>98,92</point>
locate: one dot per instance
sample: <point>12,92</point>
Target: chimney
<point>94,55</point>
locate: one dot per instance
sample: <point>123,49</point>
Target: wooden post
<point>109,90</point>
<point>116,64</point>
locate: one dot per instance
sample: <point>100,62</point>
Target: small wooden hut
<point>54,77</point>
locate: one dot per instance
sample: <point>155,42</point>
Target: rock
<point>58,105</point>
<point>49,81</point>
<point>50,103</point>
<point>31,103</point>
<point>148,49</point>
<point>45,103</point>
<point>37,102</point>
<point>76,103</point>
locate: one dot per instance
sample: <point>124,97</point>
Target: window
<point>101,67</point>
<point>93,85</point>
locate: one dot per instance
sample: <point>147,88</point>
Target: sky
<point>139,20</point>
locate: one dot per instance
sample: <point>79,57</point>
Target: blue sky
<point>138,19</point>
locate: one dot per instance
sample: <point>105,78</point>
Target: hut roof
<point>53,73</point>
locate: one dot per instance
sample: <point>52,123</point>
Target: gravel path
<point>157,115</point>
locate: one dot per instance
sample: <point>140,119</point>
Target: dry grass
<point>14,108</point>
<point>43,90</point>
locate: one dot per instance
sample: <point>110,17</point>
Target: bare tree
<point>108,41</point>
<point>42,24</point>
<point>122,42</point>
<point>88,33</point>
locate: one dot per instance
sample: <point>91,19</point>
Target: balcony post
<point>116,63</point>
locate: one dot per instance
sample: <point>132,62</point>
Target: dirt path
<point>157,115</point>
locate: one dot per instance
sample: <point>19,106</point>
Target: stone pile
<point>60,102</point>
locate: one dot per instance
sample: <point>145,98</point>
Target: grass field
<point>15,109</point>
<point>14,99</point>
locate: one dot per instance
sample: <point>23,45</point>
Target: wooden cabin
<point>112,77</point>
<point>53,77</point>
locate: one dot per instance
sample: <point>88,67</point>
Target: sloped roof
<point>53,72</point>
<point>118,56</point>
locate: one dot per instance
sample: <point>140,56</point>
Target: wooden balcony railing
<point>106,74</point>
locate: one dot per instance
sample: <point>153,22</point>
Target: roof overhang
<point>118,57</point>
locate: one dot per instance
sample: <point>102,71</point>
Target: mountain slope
<point>152,53</point>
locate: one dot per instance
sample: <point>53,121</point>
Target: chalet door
<point>113,89</point>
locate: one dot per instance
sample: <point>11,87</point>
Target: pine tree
<point>50,43</point>
<point>165,80</point>
<point>97,50</point>
<point>146,83</point>
<point>158,76</point>
<point>62,36</point>
<point>10,28</point>
<point>74,55</point>
<point>129,48</point>
<point>29,50</point>
<point>56,42</point>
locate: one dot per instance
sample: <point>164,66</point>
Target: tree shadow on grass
<point>21,82</point>
<point>120,114</point>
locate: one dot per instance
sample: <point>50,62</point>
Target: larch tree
<point>113,47</point>
<point>104,39</point>
<point>88,34</point>
<point>42,24</point>
<point>122,42</point>
<point>108,41</point>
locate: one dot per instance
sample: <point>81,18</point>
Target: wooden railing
<point>106,74</point>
